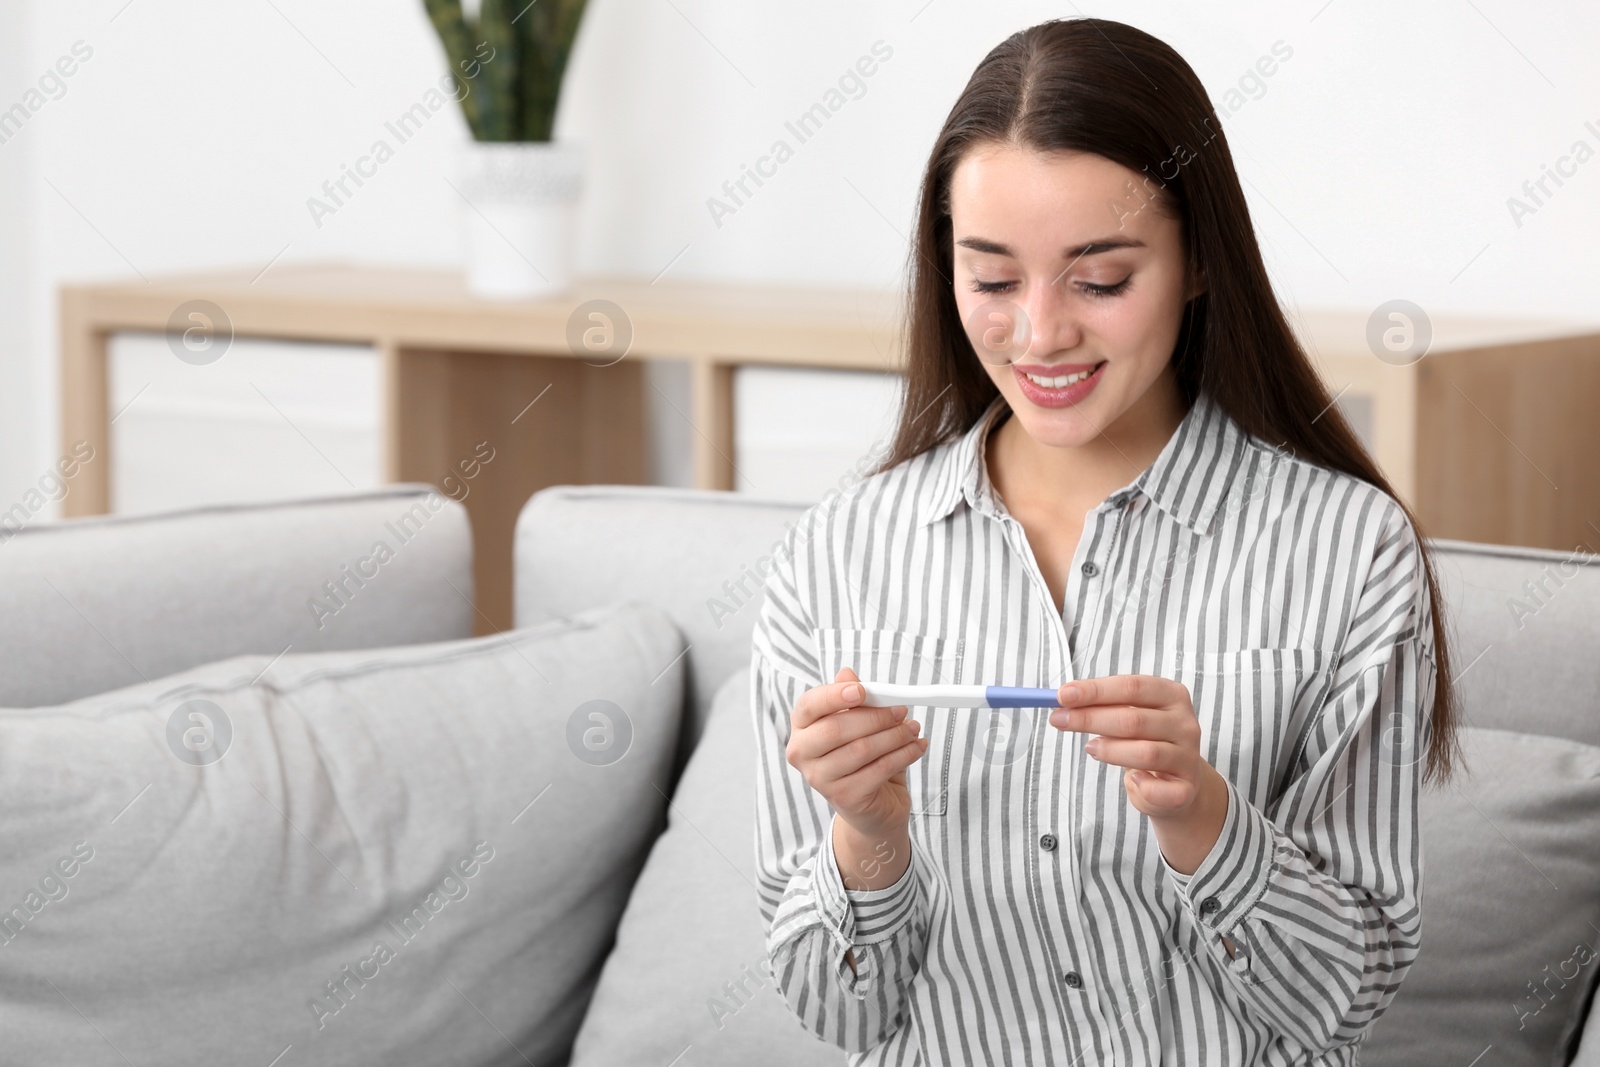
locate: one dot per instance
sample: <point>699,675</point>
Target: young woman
<point>1116,472</point>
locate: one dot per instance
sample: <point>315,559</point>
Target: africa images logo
<point>199,732</point>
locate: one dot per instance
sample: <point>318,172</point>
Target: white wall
<point>21,296</point>
<point>1378,160</point>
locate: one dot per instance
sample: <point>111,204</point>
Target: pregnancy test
<point>888,695</point>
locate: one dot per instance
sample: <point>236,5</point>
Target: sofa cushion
<point>1511,908</point>
<point>689,971</point>
<point>97,603</point>
<point>405,855</point>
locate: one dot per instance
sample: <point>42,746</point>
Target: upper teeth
<point>1059,383</point>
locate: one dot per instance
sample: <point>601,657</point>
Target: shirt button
<point>1209,906</point>
<point>1090,570</point>
<point>1048,842</point>
<point>1073,980</point>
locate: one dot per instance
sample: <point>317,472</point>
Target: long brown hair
<point>1104,87</point>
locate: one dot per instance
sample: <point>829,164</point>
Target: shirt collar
<point>1188,480</point>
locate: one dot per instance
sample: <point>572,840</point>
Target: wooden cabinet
<point>1490,436</point>
<point>554,386</point>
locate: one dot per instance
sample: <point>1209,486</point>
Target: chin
<point>1057,427</point>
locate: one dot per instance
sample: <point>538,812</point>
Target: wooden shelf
<point>1490,437</point>
<point>460,369</point>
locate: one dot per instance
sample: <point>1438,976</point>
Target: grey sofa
<point>1512,884</point>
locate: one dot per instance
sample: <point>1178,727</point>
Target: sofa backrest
<point>93,604</point>
<point>1524,625</point>
<point>699,555</point>
<point>1525,622</point>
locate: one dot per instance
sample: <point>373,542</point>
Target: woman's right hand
<point>855,757</point>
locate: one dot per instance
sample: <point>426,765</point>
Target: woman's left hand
<point>1147,724</point>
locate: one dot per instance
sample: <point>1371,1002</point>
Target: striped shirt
<point>1038,922</point>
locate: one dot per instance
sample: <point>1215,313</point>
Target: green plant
<point>519,80</point>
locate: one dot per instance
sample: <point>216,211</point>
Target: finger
<point>849,758</point>
<point>1126,720</point>
<point>1141,690</point>
<point>823,700</point>
<point>1167,794</point>
<point>843,728</point>
<point>868,779</point>
<point>1142,755</point>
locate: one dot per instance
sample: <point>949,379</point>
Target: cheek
<point>1004,380</point>
<point>1141,324</point>
<point>970,309</point>
<point>967,305</point>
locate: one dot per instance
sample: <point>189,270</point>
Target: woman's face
<point>1072,245</point>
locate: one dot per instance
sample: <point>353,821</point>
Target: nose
<point>1053,326</point>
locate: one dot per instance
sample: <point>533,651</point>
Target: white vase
<point>520,216</point>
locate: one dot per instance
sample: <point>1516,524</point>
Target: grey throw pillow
<point>406,855</point>
<point>688,977</point>
<point>1510,910</point>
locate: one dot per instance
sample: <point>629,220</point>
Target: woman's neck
<point>1032,476</point>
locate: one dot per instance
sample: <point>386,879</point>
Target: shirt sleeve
<point>1321,893</point>
<point>811,919</point>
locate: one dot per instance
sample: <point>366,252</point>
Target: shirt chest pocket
<point>909,659</point>
<point>1254,706</point>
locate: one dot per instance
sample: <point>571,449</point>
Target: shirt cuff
<point>860,916</point>
<point>1234,875</point>
<point>863,916</point>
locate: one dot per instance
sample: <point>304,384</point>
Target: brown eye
<point>1106,290</point>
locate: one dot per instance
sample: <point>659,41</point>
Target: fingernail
<point>852,693</point>
<point>901,711</point>
<point>1070,693</point>
<point>1058,719</point>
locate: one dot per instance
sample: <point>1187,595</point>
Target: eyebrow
<point>1102,244</point>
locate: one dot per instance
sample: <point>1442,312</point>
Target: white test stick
<point>890,694</point>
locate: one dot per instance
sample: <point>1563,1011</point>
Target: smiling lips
<point>1058,385</point>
